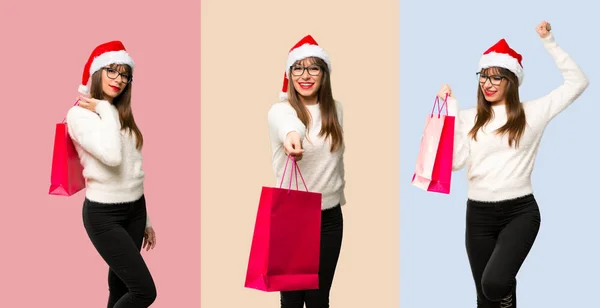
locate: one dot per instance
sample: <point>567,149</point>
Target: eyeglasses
<point>313,70</point>
<point>495,80</point>
<point>113,74</point>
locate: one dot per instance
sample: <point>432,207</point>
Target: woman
<point>498,141</point>
<point>109,142</point>
<point>307,124</point>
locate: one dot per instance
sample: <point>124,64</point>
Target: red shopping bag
<point>66,177</point>
<point>285,250</point>
<point>433,170</point>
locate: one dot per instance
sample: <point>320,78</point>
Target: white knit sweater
<point>495,171</point>
<point>323,171</point>
<point>112,164</point>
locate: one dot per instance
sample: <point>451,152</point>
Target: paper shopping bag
<point>433,170</point>
<point>285,250</point>
<point>66,177</point>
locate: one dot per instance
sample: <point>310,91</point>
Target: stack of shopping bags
<point>433,170</point>
<point>285,250</point>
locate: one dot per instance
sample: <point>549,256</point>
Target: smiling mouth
<point>115,88</point>
<point>488,93</point>
<point>306,85</point>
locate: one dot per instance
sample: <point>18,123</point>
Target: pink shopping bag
<point>433,170</point>
<point>66,177</point>
<point>285,250</point>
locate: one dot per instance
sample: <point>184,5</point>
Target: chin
<point>491,99</point>
<point>111,96</point>
<point>308,97</point>
<point>308,93</point>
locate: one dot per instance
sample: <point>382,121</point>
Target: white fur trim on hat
<point>111,57</point>
<point>502,60</point>
<point>306,51</point>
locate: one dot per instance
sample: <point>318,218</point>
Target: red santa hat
<point>501,55</point>
<point>305,48</point>
<point>105,54</point>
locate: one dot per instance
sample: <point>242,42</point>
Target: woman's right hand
<point>88,103</point>
<point>293,145</point>
<point>445,90</point>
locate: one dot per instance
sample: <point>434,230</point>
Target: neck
<point>499,103</point>
<point>313,100</point>
<point>108,99</point>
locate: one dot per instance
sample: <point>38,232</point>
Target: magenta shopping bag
<point>66,177</point>
<point>433,170</point>
<point>285,250</point>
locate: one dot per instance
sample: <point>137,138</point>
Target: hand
<point>149,239</point>
<point>293,145</point>
<point>543,29</point>
<point>445,89</point>
<point>88,103</point>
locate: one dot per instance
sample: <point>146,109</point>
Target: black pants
<point>499,236</point>
<point>117,232</point>
<point>332,226</point>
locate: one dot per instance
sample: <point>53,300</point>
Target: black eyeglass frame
<point>109,69</point>
<point>489,77</point>
<point>305,68</point>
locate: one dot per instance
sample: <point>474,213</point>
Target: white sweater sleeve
<point>148,222</point>
<point>574,83</point>
<point>282,119</point>
<point>98,134</point>
<point>340,110</point>
<point>461,135</point>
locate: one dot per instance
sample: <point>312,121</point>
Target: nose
<point>487,83</point>
<point>305,74</point>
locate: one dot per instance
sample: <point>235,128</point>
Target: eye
<point>110,70</point>
<point>496,78</point>
<point>297,68</point>
<point>314,69</point>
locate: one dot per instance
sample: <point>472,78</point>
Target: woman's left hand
<point>149,239</point>
<point>543,29</point>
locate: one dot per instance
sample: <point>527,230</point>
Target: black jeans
<point>499,236</point>
<point>117,232</point>
<point>332,226</point>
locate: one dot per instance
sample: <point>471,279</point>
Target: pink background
<point>46,259</point>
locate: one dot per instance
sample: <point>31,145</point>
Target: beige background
<point>244,48</point>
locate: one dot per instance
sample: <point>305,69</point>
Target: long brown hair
<point>515,122</point>
<point>330,125</point>
<point>121,102</point>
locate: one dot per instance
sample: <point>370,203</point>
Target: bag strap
<point>440,106</point>
<point>296,171</point>
<point>76,102</point>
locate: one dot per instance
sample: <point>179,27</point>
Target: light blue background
<point>441,42</point>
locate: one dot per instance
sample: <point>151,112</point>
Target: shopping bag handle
<point>76,102</point>
<point>295,170</point>
<point>440,106</point>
